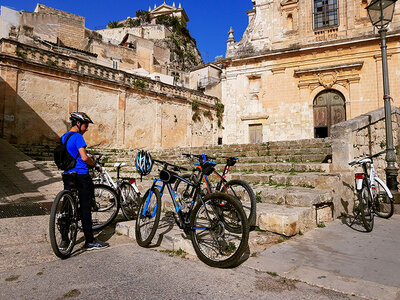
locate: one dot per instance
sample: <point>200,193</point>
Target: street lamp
<point>381,13</point>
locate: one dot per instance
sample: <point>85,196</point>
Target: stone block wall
<point>356,138</point>
<point>363,136</point>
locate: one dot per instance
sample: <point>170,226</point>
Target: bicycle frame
<point>372,177</point>
<point>115,185</point>
<point>172,193</point>
<point>221,182</point>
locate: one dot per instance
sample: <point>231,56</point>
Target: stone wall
<point>363,136</point>
<point>279,90</point>
<point>38,89</point>
<point>289,24</point>
<point>153,32</point>
<point>49,24</point>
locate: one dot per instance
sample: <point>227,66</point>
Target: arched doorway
<point>329,109</point>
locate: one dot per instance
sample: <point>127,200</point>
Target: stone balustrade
<point>90,69</point>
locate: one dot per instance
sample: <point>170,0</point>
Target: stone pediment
<point>288,2</point>
<point>336,68</point>
<point>163,8</point>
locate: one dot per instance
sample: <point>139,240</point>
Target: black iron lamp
<point>381,14</point>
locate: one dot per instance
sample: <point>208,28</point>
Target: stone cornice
<point>14,50</point>
<point>320,45</point>
<point>356,65</point>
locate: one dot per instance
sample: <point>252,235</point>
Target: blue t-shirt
<point>74,143</point>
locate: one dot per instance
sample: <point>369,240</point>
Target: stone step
<point>293,196</point>
<point>172,239</point>
<point>308,180</point>
<point>284,220</point>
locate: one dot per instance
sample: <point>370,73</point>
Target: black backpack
<point>62,158</point>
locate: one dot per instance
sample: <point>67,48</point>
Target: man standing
<point>76,147</point>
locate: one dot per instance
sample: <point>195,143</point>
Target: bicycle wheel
<point>365,207</point>
<point>242,191</point>
<point>129,201</point>
<point>148,217</point>
<point>105,206</point>
<point>63,224</point>
<point>214,243</point>
<point>383,204</point>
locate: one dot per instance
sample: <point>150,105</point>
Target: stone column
<point>74,96</point>
<point>10,84</point>
<point>121,119</point>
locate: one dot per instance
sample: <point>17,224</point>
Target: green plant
<point>300,232</point>
<point>273,274</point>
<point>143,16</point>
<point>309,186</point>
<point>179,252</point>
<point>51,63</point>
<point>195,105</point>
<point>382,145</point>
<point>139,84</point>
<point>207,114</point>
<point>114,24</point>
<point>196,117</point>
<point>258,197</point>
<point>254,254</point>
<point>20,53</point>
<point>280,240</point>
<point>132,23</point>
<point>321,225</point>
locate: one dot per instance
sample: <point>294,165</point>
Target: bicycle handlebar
<point>200,157</point>
<point>166,164</point>
<point>355,162</point>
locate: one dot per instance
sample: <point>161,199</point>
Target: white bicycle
<point>373,196</point>
<point>128,192</point>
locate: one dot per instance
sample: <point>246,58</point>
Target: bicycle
<point>128,192</point>
<point>65,216</point>
<point>216,223</point>
<point>373,196</point>
<point>240,189</point>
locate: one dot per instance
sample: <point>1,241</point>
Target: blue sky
<point>209,19</point>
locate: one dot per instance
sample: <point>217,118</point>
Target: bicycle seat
<point>119,165</point>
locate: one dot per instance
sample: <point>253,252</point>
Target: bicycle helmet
<point>79,116</point>
<point>143,163</point>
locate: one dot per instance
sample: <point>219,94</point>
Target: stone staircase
<point>294,186</point>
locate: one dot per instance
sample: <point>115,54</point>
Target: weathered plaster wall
<point>289,82</point>
<point>38,89</point>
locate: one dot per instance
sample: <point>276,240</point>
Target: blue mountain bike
<point>216,223</point>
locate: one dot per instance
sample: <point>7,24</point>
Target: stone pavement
<point>340,258</point>
<point>22,180</point>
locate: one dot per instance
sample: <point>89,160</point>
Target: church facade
<point>302,66</point>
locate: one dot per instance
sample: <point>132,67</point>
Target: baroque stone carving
<point>327,80</point>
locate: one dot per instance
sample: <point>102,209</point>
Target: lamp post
<point>381,13</point>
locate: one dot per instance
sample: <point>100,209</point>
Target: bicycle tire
<point>63,214</point>
<point>129,205</point>
<point>148,217</point>
<point>365,207</point>
<point>383,204</point>
<point>107,206</point>
<point>243,192</point>
<point>205,220</point>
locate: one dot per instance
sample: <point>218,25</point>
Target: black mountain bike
<point>240,189</point>
<point>65,217</point>
<point>216,223</point>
